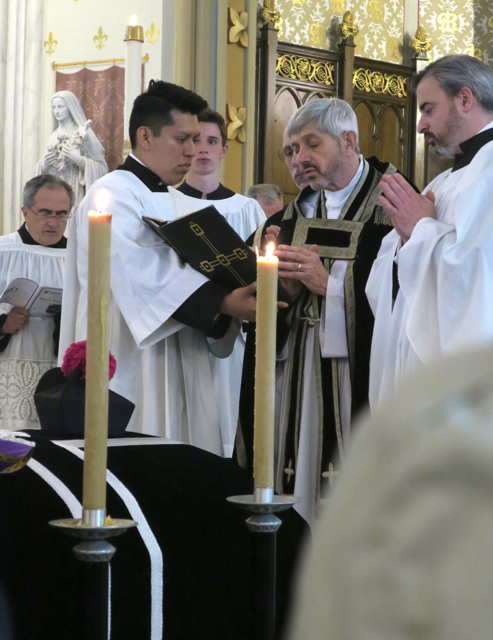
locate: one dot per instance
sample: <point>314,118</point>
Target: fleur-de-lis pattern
<point>236,126</point>
<point>100,39</point>
<point>314,23</point>
<point>50,44</point>
<point>152,34</point>
<point>238,31</point>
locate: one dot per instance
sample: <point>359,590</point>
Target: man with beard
<point>431,286</point>
<point>326,247</point>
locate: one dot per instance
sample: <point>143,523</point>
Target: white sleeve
<point>333,338</point>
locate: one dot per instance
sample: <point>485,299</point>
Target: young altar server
<point>200,189</point>
<point>165,317</point>
<point>431,288</point>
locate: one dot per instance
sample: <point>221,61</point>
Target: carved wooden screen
<point>382,103</point>
<point>302,74</point>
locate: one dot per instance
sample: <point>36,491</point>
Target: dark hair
<point>213,117</point>
<point>48,180</point>
<point>457,72</point>
<point>153,108</point>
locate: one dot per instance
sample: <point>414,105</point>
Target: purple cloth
<point>14,454</point>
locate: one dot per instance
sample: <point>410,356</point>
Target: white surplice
<point>445,271</point>
<point>245,216</point>
<point>162,366</point>
<point>30,352</point>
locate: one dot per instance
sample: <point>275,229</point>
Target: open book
<point>210,245</point>
<point>38,300</point>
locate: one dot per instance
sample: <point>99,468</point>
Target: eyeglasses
<point>51,214</point>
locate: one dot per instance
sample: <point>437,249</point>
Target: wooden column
<point>345,80</point>
<point>267,98</point>
<point>419,173</point>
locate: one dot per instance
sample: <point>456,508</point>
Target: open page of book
<point>19,292</point>
<point>47,302</point>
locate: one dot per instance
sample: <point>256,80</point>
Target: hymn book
<point>210,245</point>
<point>38,300</point>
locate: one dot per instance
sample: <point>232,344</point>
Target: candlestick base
<point>265,524</point>
<point>93,549</point>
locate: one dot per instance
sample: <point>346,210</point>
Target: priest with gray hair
<point>431,287</point>
<point>326,246</point>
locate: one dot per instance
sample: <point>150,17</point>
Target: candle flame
<point>102,199</point>
<point>133,21</point>
<point>269,251</point>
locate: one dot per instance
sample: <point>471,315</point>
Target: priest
<point>202,188</point>
<point>165,317</point>
<point>29,342</point>
<point>326,249</point>
<point>431,286</point>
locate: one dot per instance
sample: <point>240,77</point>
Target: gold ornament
<point>420,42</point>
<point>152,34</point>
<point>50,44</point>
<point>238,32</point>
<point>337,6</point>
<point>375,9</point>
<point>297,68</point>
<point>447,22</point>
<point>270,13</point>
<point>348,28</point>
<point>100,39</point>
<point>317,33</point>
<point>490,24</point>
<point>377,82</point>
<point>236,127</point>
<point>474,52</point>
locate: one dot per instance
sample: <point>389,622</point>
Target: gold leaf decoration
<point>100,39</point>
<point>473,52</point>
<point>337,6</point>
<point>238,32</point>
<point>50,44</point>
<point>289,66</point>
<point>270,13</point>
<point>348,28</point>
<point>377,82</point>
<point>420,42</point>
<point>447,22</point>
<point>490,24</point>
<point>317,34</point>
<point>153,34</point>
<point>375,10</point>
<point>236,127</point>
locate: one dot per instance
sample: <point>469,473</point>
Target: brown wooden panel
<point>391,148</point>
<point>287,102</point>
<point>367,126</point>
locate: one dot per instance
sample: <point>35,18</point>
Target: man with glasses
<point>29,345</point>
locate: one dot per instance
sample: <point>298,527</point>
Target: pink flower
<point>75,358</point>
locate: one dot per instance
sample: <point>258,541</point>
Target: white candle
<point>97,361</point>
<point>134,37</point>
<point>265,369</point>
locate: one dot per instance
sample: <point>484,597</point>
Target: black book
<point>210,245</point>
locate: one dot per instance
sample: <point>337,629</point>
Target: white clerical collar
<point>337,198</point>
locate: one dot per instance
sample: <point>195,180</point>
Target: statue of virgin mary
<point>73,151</point>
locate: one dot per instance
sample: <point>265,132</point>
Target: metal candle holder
<point>263,504</point>
<point>96,552</point>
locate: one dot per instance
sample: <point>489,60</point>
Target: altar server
<point>200,189</point>
<point>327,246</point>
<point>165,317</point>
<point>29,344</point>
<point>431,288</point>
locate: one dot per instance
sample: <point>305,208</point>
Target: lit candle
<point>97,361</point>
<point>134,37</point>
<point>265,369</point>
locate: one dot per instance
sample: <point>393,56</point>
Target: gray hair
<point>457,72</point>
<point>267,193</point>
<point>331,115</point>
<point>48,180</point>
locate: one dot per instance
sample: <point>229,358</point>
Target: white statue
<point>73,151</point>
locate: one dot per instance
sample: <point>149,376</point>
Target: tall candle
<point>97,362</point>
<point>265,370</point>
<point>134,37</point>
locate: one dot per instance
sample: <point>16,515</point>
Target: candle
<point>265,369</point>
<point>134,37</point>
<point>97,361</point>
